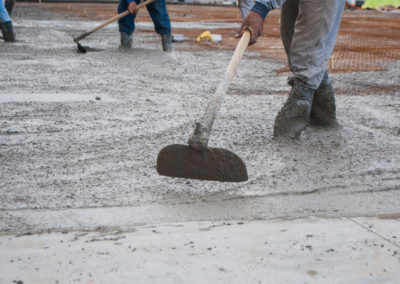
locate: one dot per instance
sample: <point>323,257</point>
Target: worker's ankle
<point>126,40</point>
<point>8,31</point>
<point>166,41</point>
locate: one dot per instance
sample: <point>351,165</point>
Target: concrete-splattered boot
<point>323,110</point>
<point>126,41</point>
<point>166,40</point>
<point>293,116</point>
<point>8,31</point>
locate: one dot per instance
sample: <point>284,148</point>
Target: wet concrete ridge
<point>80,135</point>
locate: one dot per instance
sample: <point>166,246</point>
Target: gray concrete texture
<point>82,132</point>
<point>81,200</point>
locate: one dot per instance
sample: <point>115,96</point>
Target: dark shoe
<point>293,116</point>
<point>8,31</point>
<point>126,41</point>
<point>166,40</point>
<point>323,110</point>
<point>10,5</point>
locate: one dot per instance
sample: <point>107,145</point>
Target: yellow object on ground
<point>208,36</point>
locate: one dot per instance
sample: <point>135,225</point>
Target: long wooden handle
<point>109,21</point>
<point>199,139</point>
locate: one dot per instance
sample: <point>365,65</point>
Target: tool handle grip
<point>109,21</point>
<point>199,139</point>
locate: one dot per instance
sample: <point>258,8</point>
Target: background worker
<point>308,31</point>
<point>159,15</point>
<point>6,24</point>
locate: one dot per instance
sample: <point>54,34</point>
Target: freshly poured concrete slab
<point>67,154</point>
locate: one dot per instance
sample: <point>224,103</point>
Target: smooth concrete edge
<point>22,221</point>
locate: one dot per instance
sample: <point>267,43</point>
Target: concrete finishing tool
<point>198,161</point>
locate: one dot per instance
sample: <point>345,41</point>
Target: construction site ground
<point>81,201</point>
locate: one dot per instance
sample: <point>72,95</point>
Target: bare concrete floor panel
<point>299,251</point>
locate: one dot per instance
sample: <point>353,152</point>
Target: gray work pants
<point>308,31</point>
<point>245,7</point>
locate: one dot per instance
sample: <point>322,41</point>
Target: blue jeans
<point>158,13</point>
<point>4,17</point>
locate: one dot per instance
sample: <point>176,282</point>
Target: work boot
<point>294,115</point>
<point>166,40</point>
<point>323,110</point>
<point>8,31</point>
<point>126,41</point>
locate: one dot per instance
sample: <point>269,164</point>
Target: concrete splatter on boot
<point>126,41</point>
<point>166,40</point>
<point>293,116</point>
<point>8,31</point>
<point>323,110</point>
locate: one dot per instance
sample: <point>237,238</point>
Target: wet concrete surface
<point>80,134</point>
<point>81,200</point>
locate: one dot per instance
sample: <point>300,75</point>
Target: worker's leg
<point>309,62</point>
<point>162,24</point>
<point>289,13</point>
<point>245,7</point>
<point>159,15</point>
<point>4,17</point>
<point>316,28</point>
<point>323,109</point>
<point>309,43</point>
<point>10,5</point>
<point>293,116</point>
<point>126,24</point>
<point>6,24</point>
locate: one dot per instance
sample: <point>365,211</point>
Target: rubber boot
<point>295,113</point>
<point>166,40</point>
<point>323,110</point>
<point>8,31</point>
<point>126,41</point>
